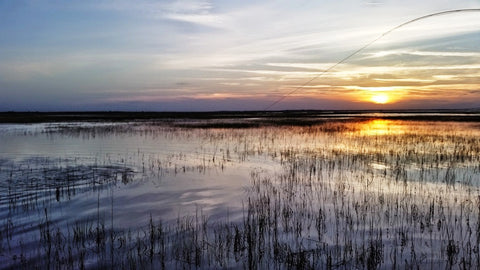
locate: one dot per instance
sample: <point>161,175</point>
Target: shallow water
<point>360,179</point>
<point>153,170</point>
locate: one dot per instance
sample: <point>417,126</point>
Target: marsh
<point>352,191</point>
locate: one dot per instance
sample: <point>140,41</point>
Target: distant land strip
<point>301,117</point>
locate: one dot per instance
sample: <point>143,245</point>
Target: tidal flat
<point>240,191</point>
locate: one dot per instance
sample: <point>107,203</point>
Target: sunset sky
<point>236,55</point>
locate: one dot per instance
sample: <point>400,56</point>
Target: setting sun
<point>380,98</point>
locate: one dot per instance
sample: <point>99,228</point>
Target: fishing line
<point>366,46</point>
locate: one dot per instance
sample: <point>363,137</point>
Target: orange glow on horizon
<point>377,94</point>
<point>380,98</point>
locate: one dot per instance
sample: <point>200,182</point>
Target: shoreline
<point>274,117</point>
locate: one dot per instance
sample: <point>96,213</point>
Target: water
<point>153,170</point>
<point>299,187</point>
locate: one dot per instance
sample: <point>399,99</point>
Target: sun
<point>380,98</point>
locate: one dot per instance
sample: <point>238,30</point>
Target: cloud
<point>189,11</point>
<point>404,80</point>
<point>127,51</point>
<point>422,53</point>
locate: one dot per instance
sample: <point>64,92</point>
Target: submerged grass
<point>375,194</point>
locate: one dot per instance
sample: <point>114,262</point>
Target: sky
<point>199,55</point>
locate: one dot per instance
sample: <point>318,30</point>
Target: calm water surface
<point>141,170</point>
<point>119,176</point>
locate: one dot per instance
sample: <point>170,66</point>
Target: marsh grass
<point>348,195</point>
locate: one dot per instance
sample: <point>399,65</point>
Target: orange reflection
<point>380,127</point>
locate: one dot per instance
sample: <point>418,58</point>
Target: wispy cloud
<point>423,53</point>
<point>199,49</point>
<point>404,80</point>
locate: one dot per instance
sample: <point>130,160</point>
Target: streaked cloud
<point>164,51</point>
<point>424,53</point>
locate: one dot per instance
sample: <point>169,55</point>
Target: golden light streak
<point>380,127</point>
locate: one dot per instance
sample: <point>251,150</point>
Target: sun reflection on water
<point>379,127</point>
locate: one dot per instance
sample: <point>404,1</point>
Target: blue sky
<point>236,55</point>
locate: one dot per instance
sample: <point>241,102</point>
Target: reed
<point>350,195</point>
